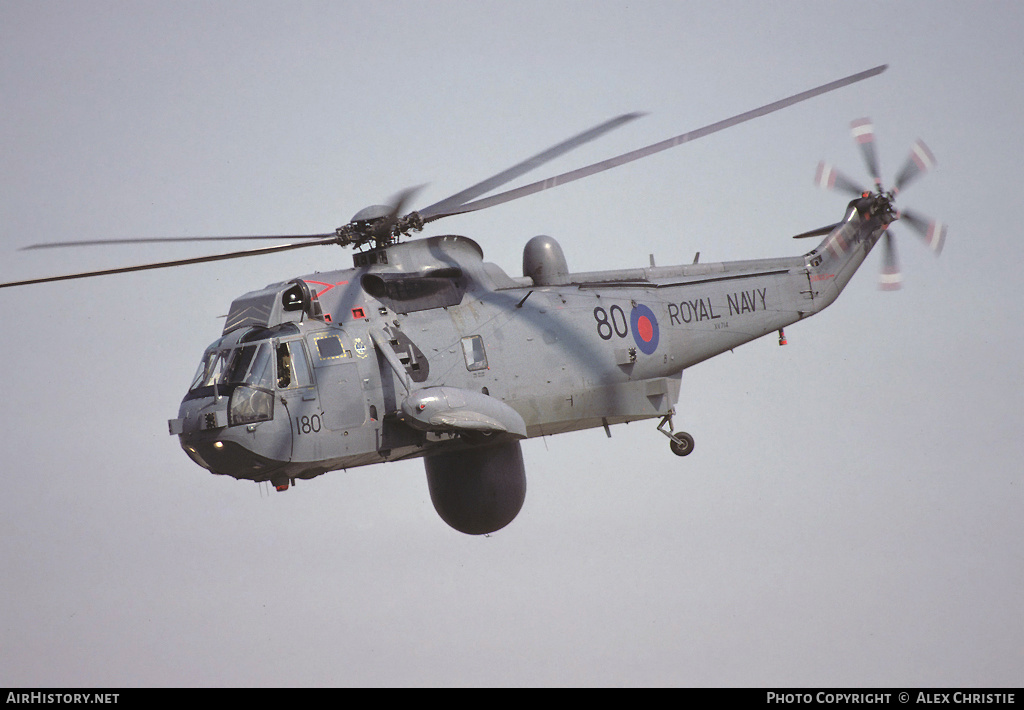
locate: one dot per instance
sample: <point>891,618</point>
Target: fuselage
<point>310,375</point>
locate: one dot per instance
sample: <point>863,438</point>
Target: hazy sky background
<point>851,514</point>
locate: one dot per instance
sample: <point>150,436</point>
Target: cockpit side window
<point>292,365</point>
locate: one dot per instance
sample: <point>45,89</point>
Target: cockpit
<point>248,366</point>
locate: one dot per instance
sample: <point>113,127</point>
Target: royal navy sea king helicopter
<point>423,349</point>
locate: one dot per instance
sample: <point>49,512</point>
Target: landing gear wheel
<point>681,443</point>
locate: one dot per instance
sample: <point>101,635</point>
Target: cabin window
<point>330,348</point>
<point>476,356</point>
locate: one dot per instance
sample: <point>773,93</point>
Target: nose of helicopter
<point>203,432</point>
<point>228,458</point>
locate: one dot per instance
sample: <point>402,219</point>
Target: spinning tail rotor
<point>920,161</point>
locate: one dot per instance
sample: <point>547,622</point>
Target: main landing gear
<point>680,442</point>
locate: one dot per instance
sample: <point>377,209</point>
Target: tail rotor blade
<point>829,178</point>
<point>931,231</point>
<point>920,161</point>
<point>864,133</point>
<point>890,278</point>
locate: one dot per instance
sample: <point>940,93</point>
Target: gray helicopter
<point>423,349</point>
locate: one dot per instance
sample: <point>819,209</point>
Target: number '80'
<point>612,321</point>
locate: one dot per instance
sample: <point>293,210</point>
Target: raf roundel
<point>645,328</point>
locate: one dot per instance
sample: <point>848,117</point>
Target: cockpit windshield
<point>248,365</point>
<point>210,368</point>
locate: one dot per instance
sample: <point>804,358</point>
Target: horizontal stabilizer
<point>819,232</point>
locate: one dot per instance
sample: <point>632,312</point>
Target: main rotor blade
<point>654,148</point>
<point>400,201</point>
<point>164,240</point>
<point>166,264</point>
<point>485,186</point>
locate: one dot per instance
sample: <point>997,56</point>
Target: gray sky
<point>851,514</point>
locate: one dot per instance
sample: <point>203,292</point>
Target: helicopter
<point>424,350</point>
